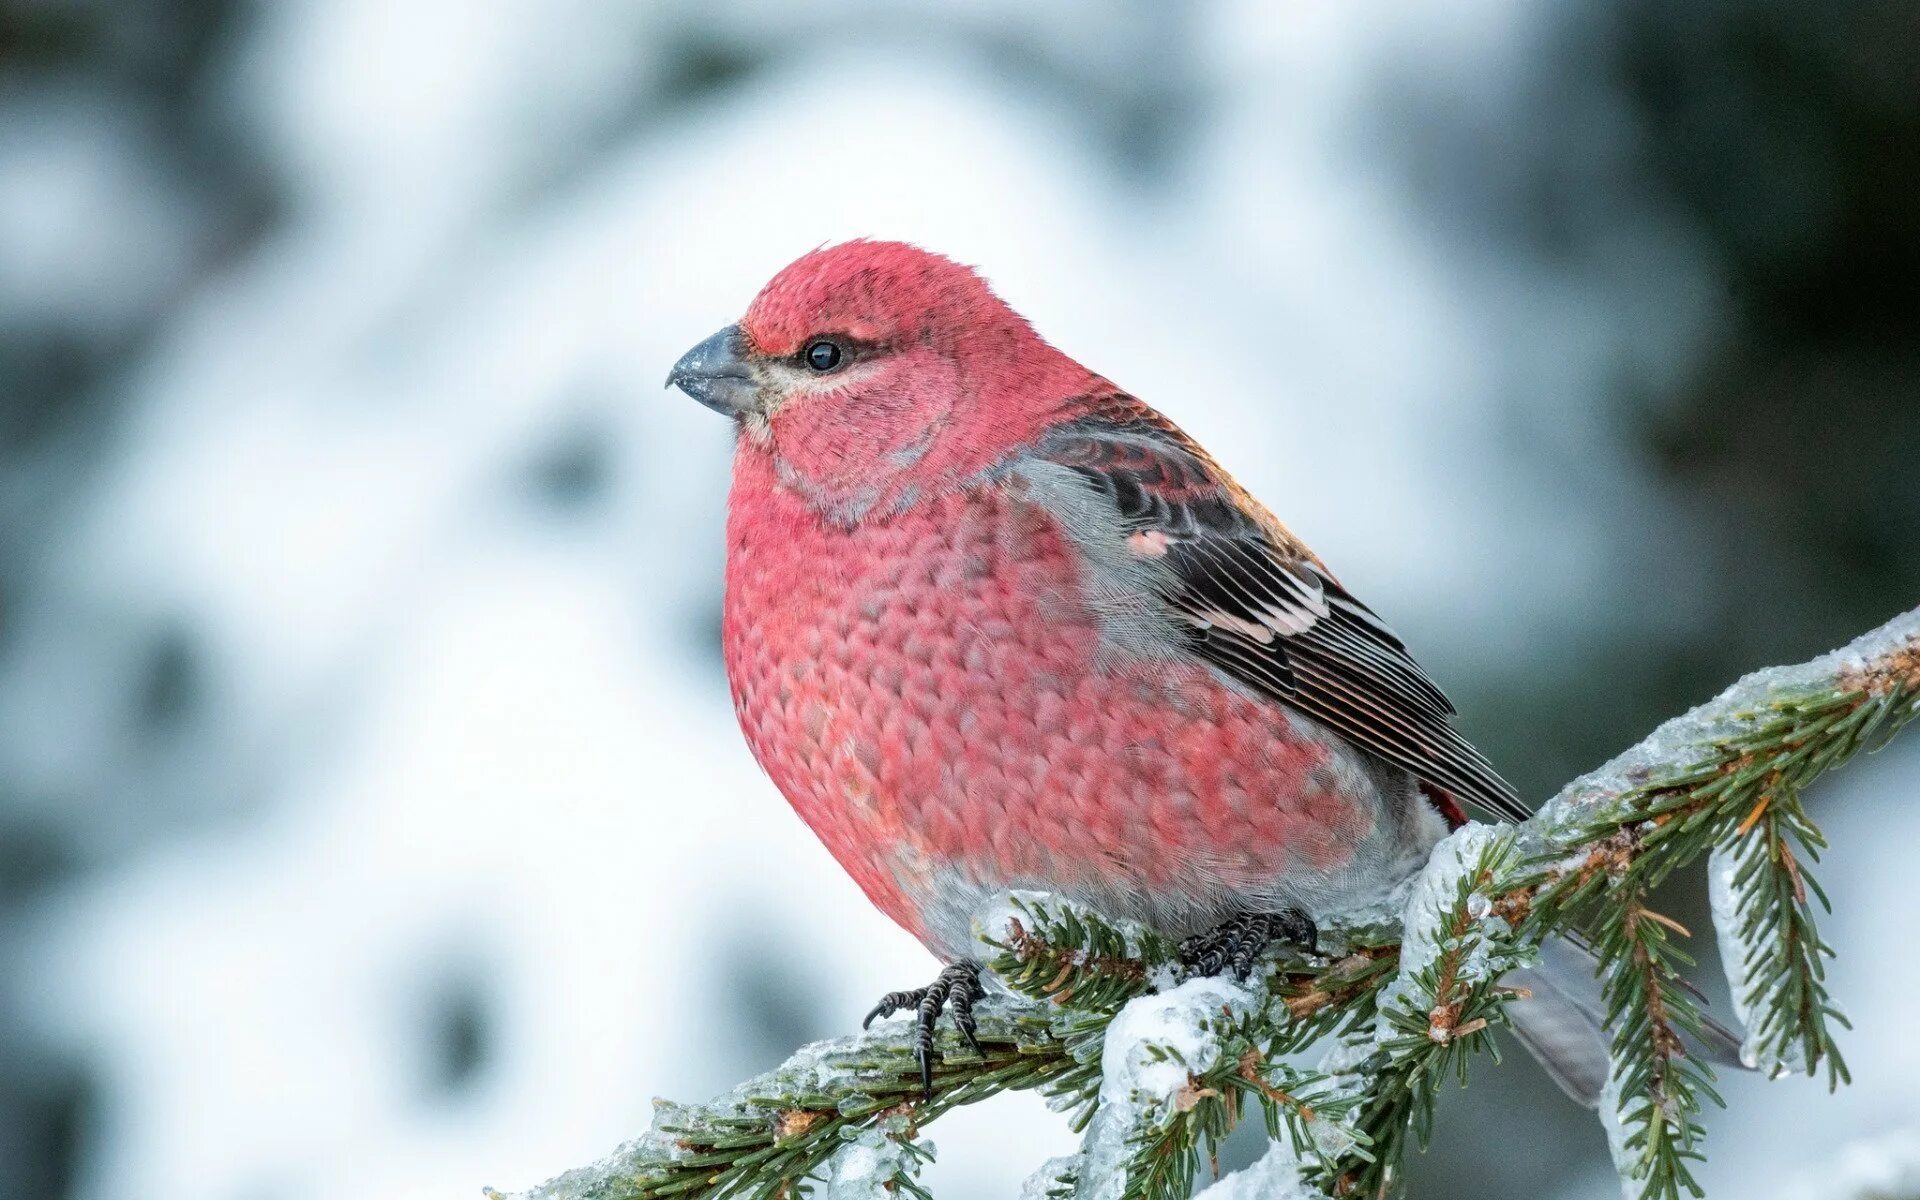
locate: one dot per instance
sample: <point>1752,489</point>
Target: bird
<point>992,622</point>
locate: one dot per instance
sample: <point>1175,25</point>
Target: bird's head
<point>871,359</point>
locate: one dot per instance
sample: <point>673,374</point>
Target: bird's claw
<point>955,991</point>
<point>1238,942</point>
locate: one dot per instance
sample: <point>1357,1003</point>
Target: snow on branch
<point>1154,1072</point>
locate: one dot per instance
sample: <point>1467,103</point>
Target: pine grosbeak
<point>993,623</point>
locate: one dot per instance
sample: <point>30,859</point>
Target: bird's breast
<point>934,694</point>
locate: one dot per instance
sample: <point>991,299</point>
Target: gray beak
<point>715,373</point>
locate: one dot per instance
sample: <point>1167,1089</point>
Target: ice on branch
<point>880,1162</point>
<point>1620,1148</point>
<point>1054,1180</point>
<point>1747,959</point>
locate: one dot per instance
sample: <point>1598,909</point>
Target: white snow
<point>1275,1175</point>
<point>1137,1087</point>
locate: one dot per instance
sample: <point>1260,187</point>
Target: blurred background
<point>372,818</point>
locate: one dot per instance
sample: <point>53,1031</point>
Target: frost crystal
<point>1151,1047</point>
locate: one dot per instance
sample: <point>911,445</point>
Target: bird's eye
<point>823,356</point>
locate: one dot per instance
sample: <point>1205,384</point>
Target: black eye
<point>823,356</point>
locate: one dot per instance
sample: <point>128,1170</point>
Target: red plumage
<point>926,691</point>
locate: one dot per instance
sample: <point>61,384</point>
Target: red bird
<point>993,623</point>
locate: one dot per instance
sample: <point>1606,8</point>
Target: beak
<point>715,373</point>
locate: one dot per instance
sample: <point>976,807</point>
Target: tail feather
<point>1563,1023</point>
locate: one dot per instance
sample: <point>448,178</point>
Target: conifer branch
<point>1405,1005</point>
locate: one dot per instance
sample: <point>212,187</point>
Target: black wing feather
<point>1263,611</point>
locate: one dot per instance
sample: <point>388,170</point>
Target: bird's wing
<point>1252,600</point>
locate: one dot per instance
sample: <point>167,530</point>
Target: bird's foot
<point>1237,942</point>
<point>957,987</point>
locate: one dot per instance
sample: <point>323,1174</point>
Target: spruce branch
<point>766,1137</point>
<point>1775,957</point>
<point>1405,998</point>
<point>1649,1009</point>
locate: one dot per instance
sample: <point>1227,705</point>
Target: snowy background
<point>372,820</point>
